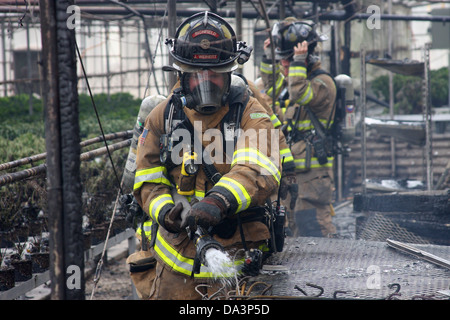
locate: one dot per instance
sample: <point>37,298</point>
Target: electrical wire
<point>98,118</point>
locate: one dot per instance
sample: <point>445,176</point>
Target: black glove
<point>206,213</point>
<point>289,184</point>
<point>171,218</point>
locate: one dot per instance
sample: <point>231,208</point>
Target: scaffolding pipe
<point>363,122</point>
<point>338,15</point>
<point>42,156</point>
<point>41,169</point>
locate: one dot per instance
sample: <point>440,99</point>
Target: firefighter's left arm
<point>256,165</point>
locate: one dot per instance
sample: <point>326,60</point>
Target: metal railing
<point>90,254</point>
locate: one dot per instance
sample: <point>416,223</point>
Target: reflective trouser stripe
<point>180,263</point>
<point>307,124</point>
<point>147,229</point>
<point>286,153</point>
<point>301,163</point>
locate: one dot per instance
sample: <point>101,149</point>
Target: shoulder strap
<point>172,116</point>
<point>237,101</point>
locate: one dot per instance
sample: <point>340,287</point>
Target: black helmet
<point>205,51</point>
<point>286,35</point>
<point>204,40</point>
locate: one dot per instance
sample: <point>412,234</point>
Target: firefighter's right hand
<point>206,213</point>
<point>171,219</point>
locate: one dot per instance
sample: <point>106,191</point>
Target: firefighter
<point>205,53</point>
<point>288,183</point>
<point>299,71</point>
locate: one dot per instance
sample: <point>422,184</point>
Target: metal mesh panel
<point>379,228</point>
<point>353,269</point>
<point>421,228</point>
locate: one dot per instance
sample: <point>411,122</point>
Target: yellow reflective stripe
<point>267,68</point>
<point>178,262</point>
<point>304,125</point>
<point>156,205</point>
<point>301,163</point>
<point>275,121</point>
<point>286,153</point>
<point>297,71</point>
<point>307,124</point>
<point>306,96</point>
<point>147,229</point>
<point>256,157</point>
<point>239,192</point>
<point>278,86</point>
<point>153,175</point>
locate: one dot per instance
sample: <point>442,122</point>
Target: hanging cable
<point>98,118</point>
<point>156,48</point>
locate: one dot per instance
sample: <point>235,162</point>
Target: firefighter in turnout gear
<point>309,113</point>
<point>210,145</point>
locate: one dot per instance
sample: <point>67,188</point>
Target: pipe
<point>41,169</point>
<point>42,156</point>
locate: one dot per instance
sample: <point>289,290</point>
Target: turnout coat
<point>249,175</point>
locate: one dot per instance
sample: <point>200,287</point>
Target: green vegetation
<point>408,95</point>
<point>23,135</point>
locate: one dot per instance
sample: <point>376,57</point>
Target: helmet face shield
<point>207,88</point>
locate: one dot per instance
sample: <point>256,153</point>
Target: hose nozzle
<point>203,242</point>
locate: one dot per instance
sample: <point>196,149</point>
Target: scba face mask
<point>206,90</point>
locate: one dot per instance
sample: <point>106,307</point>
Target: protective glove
<point>289,185</point>
<point>171,218</point>
<point>207,213</point>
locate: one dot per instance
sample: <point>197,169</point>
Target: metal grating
<point>362,269</point>
<point>379,228</point>
<point>420,228</point>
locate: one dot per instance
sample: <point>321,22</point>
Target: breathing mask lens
<point>208,89</point>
